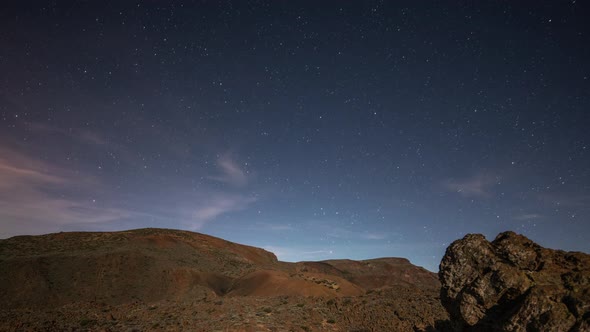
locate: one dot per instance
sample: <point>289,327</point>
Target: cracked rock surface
<point>513,284</point>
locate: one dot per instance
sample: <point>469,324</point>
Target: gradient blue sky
<point>314,130</point>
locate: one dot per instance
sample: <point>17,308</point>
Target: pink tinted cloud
<point>29,199</point>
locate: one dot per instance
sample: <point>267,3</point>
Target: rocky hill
<point>513,284</point>
<point>145,264</point>
<point>169,280</point>
<point>159,279</point>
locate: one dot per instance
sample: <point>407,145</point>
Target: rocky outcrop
<point>513,284</point>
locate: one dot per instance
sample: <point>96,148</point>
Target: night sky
<point>313,129</point>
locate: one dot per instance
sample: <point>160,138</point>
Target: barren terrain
<point>159,279</point>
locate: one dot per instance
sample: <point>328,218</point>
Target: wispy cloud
<point>45,195</point>
<point>280,227</point>
<point>210,208</point>
<point>476,186</point>
<point>215,204</point>
<point>274,227</point>
<point>342,233</point>
<point>528,216</point>
<point>88,138</point>
<point>81,135</point>
<point>373,236</point>
<point>13,176</point>
<point>29,203</point>
<point>231,172</point>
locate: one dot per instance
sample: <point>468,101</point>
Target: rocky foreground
<point>513,284</point>
<point>168,280</point>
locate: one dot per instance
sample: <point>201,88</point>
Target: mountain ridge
<point>67,265</point>
<point>169,277</point>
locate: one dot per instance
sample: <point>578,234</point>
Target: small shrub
<point>331,321</point>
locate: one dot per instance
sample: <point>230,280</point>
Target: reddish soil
<point>159,279</point>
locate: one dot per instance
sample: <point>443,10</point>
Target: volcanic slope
<point>151,271</point>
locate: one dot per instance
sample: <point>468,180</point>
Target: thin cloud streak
<point>373,236</point>
<point>273,227</point>
<point>81,135</point>
<point>341,233</point>
<point>219,204</point>
<point>528,216</point>
<point>88,139</point>
<point>476,186</point>
<point>231,173</point>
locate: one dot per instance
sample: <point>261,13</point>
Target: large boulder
<point>513,284</point>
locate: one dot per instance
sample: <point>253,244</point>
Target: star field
<point>316,130</point>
